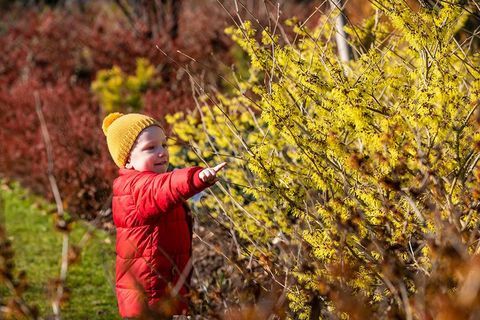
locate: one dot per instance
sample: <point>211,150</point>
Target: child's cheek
<point>150,162</point>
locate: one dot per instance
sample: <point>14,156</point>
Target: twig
<point>58,201</point>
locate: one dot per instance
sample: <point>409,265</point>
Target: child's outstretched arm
<point>162,191</point>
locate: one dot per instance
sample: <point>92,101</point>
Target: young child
<point>154,236</point>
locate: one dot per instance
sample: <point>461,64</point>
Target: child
<point>154,235</point>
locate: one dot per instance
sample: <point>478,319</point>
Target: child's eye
<point>149,148</point>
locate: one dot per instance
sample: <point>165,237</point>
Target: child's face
<point>149,153</point>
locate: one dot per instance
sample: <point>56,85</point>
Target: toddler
<point>153,223</point>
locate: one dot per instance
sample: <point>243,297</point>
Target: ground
<point>29,225</point>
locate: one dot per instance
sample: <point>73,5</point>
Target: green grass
<point>38,248</point>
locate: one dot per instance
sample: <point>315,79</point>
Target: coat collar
<point>123,171</point>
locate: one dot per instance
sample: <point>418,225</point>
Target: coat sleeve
<point>160,192</point>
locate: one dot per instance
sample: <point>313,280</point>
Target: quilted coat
<point>153,244</point>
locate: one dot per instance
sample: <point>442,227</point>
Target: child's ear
<point>128,165</point>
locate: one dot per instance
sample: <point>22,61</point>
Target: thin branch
<point>59,203</point>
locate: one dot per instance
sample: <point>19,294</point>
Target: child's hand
<point>209,175</point>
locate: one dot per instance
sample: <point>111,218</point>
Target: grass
<point>38,248</point>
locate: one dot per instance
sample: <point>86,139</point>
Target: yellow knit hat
<point>121,131</point>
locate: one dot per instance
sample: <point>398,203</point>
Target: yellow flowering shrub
<point>119,91</point>
<point>355,184</point>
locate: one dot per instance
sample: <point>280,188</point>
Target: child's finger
<point>207,175</point>
<point>219,167</point>
<point>210,173</point>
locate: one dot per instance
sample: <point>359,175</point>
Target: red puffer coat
<point>153,236</point>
